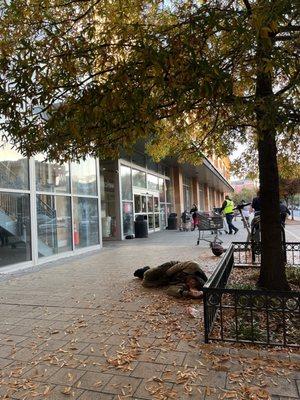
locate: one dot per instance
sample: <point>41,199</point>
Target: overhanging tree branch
<point>294,79</point>
<point>248,6</point>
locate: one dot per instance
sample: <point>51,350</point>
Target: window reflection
<point>51,177</point>
<point>13,168</point>
<point>84,177</point>
<point>126,183</point>
<point>127,218</point>
<point>169,191</point>
<point>54,225</point>
<point>138,178</point>
<point>150,203</point>
<point>163,216</point>
<point>15,234</point>
<point>152,182</point>
<point>86,222</point>
<point>137,203</point>
<point>162,196</point>
<point>109,186</point>
<point>150,221</point>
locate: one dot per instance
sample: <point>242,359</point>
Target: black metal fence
<point>246,254</point>
<point>250,316</point>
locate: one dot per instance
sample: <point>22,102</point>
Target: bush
<point>293,275</point>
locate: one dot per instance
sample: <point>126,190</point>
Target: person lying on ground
<point>172,272</point>
<point>191,289</point>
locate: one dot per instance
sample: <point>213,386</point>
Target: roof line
<point>216,172</point>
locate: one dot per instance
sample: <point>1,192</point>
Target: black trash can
<point>141,226</point>
<point>172,221</point>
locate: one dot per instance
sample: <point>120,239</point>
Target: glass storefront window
<point>137,203</point>
<point>108,185</point>
<point>186,180</point>
<point>156,220</point>
<point>15,232</point>
<point>86,222</point>
<point>138,178</point>
<point>152,182</point>
<point>186,197</point>
<point>156,203</point>
<point>13,169</point>
<point>126,183</point>
<point>51,177</point>
<point>53,224</point>
<point>162,194</point>
<point>168,209</point>
<point>201,199</point>
<point>169,191</point>
<point>163,216</point>
<point>127,218</point>
<point>84,177</point>
<point>150,203</point>
<point>151,221</point>
<point>144,204</point>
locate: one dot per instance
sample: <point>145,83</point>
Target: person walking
<point>256,204</point>
<point>284,212</point>
<point>227,208</point>
<point>194,212</point>
<point>246,214</point>
<point>185,218</point>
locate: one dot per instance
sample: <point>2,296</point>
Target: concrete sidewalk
<point>84,329</point>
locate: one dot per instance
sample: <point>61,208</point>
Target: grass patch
<point>241,286</point>
<point>247,332</point>
<point>293,275</point>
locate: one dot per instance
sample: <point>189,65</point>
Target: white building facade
<point>47,210</point>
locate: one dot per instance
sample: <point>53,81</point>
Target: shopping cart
<point>210,222</point>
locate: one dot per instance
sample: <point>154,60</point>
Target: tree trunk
<point>292,208</point>
<point>272,272</point>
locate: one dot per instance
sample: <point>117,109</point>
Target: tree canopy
<point>189,76</point>
<point>245,194</point>
<point>83,76</point>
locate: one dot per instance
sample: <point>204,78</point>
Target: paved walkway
<point>85,329</point>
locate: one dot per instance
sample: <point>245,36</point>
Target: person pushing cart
<point>228,209</point>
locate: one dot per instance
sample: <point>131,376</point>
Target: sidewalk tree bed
<point>235,310</point>
<point>187,77</point>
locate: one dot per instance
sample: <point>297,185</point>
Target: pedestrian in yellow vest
<point>227,208</point>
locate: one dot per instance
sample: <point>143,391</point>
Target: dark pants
<point>283,218</point>
<point>195,221</point>
<point>231,227</point>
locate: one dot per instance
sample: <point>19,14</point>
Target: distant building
<point>240,184</point>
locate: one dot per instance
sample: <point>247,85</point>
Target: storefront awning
<point>206,173</point>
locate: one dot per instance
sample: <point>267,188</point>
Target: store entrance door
<point>148,205</point>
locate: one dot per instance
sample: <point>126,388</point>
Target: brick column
<point>178,191</point>
<point>212,197</point>
<point>222,198</point>
<point>195,192</point>
<point>216,198</point>
<point>206,198</point>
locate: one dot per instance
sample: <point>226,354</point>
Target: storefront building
<point>136,186</point>
<point>48,210</point>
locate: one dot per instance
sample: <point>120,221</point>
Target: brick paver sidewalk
<point>84,329</point>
